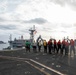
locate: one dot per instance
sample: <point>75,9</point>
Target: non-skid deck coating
<point>66,65</point>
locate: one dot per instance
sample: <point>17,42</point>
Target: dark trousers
<point>45,49</point>
<point>55,48</point>
<point>39,48</point>
<point>66,50</point>
<point>34,49</point>
<point>59,48</point>
<point>27,48</point>
<point>72,48</point>
<point>63,48</point>
<point>49,47</point>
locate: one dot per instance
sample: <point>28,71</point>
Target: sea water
<point>4,46</point>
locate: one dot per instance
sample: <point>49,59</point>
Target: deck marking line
<point>8,57</point>
<point>41,70</point>
<point>47,67</point>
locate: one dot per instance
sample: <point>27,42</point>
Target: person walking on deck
<point>75,43</point>
<point>34,47</point>
<point>72,48</point>
<point>45,46</point>
<point>59,46</point>
<point>66,47</point>
<point>39,45</point>
<point>27,45</point>
<point>55,46</point>
<point>63,46</point>
<point>50,46</point>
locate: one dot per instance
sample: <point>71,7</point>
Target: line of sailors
<point>58,47</point>
<point>54,47</point>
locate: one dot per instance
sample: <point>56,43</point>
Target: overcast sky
<point>52,18</point>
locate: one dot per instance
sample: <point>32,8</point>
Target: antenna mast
<point>32,34</point>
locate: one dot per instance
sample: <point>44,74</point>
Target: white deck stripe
<point>41,70</point>
<point>55,71</point>
<point>8,57</point>
<point>47,67</point>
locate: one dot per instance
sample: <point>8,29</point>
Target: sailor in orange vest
<point>50,46</point>
<point>59,46</point>
<point>66,47</point>
<point>55,46</point>
<point>75,44</point>
<point>72,46</point>
<point>63,46</point>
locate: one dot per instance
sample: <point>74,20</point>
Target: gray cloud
<point>2,19</point>
<point>61,2</point>
<point>36,20</point>
<point>25,31</point>
<point>47,29</point>
<point>72,3</point>
<point>66,25</point>
<point>63,31</point>
<point>7,27</point>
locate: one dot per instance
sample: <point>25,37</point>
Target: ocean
<point>4,46</point>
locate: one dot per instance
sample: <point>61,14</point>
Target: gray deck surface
<point>61,63</point>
